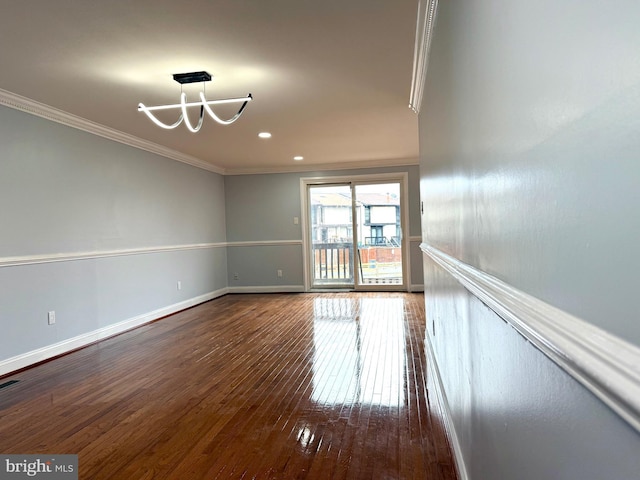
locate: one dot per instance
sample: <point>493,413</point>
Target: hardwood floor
<point>245,386</point>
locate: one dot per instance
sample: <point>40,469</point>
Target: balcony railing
<point>382,241</point>
<point>332,262</point>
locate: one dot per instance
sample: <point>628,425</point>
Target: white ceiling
<point>330,78</point>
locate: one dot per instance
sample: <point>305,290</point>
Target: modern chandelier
<point>204,104</point>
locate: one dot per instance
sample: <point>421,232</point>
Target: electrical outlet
<point>236,276</point>
<point>279,273</point>
<point>296,220</point>
<point>51,317</point>
<point>179,285</point>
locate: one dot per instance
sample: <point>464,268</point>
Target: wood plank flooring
<point>317,386</point>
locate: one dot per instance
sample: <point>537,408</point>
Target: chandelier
<point>204,104</point>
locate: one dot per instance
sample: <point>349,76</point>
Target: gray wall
<point>529,171</point>
<point>64,191</point>
<point>262,208</point>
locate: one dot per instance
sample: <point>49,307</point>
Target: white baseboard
<point>268,289</point>
<point>297,289</point>
<point>30,358</point>
<point>434,374</point>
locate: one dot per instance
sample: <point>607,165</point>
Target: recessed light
<point>264,135</point>
<point>298,157</point>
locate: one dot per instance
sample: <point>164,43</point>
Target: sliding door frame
<point>400,177</point>
<point>346,285</point>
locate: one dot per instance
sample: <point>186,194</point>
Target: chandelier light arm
<point>146,110</point>
<point>248,98</point>
<point>211,113</point>
<point>187,122</point>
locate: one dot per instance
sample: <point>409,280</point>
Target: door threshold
<point>331,290</point>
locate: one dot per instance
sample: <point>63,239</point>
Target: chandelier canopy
<point>204,104</point>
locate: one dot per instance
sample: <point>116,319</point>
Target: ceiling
<point>330,78</point>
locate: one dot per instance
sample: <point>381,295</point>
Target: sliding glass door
<point>355,235</point>
<point>331,235</point>
<point>379,234</point>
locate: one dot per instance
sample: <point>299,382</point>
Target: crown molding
<point>323,167</point>
<point>27,105</point>
<point>24,104</point>
<point>424,34</point>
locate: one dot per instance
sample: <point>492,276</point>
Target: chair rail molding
<point>606,365</point>
<point>264,243</point>
<point>71,256</point>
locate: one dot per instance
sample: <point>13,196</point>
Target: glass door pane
<point>379,235</point>
<point>331,234</point>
